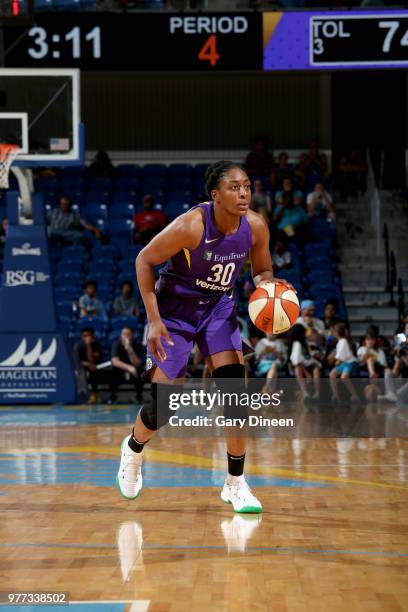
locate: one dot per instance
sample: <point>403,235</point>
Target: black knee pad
<point>230,381</point>
<point>158,412</point>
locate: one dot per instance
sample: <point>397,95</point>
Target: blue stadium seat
<point>104,251</point>
<point>65,294</point>
<point>180,183</point>
<point>152,184</point>
<point>128,170</point>
<point>118,323</point>
<point>131,252</point>
<point>124,197</point>
<point>180,170</point>
<point>127,183</point>
<point>96,323</point>
<point>99,183</point>
<point>46,183</point>
<point>68,281</point>
<point>122,211</point>
<point>74,251</point>
<point>316,249</point>
<point>72,183</point>
<point>121,230</point>
<point>101,267</point>
<point>64,326</point>
<point>127,266</point>
<point>94,210</point>
<point>154,170</point>
<point>67,266</point>
<point>64,309</point>
<point>50,198</point>
<point>175,208</point>
<point>98,197</point>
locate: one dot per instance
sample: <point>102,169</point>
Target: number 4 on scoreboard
<point>208,51</point>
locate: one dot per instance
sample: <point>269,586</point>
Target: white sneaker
<point>129,479</point>
<point>240,496</point>
<point>130,542</point>
<point>238,530</point>
<point>388,397</point>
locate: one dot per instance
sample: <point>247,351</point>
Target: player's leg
<point>228,370</point>
<point>154,414</point>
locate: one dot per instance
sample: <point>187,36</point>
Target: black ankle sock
<point>135,445</point>
<point>236,465</point>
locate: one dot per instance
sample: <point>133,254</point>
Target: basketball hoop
<point>8,153</point>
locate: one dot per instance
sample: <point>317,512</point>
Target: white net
<point>8,153</point>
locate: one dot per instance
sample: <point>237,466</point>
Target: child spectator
<point>126,305</point>
<point>281,257</point>
<point>280,172</point>
<point>90,305</point>
<point>314,329</point>
<point>320,203</point>
<point>261,201</point>
<point>271,356</point>
<point>398,372</point>
<point>304,365</point>
<point>371,357</point>
<point>345,362</point>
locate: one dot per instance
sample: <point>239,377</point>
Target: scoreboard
<point>308,40</point>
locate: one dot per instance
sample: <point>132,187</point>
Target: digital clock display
<point>158,41</point>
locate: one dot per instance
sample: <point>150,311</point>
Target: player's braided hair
<point>216,172</point>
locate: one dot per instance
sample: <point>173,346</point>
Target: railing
<point>401,302</point>
<point>390,267</point>
<point>374,203</point>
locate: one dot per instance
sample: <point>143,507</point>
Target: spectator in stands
<point>314,329</point>
<point>330,313</point>
<point>89,352</point>
<point>320,203</point>
<point>148,222</point>
<point>281,256</point>
<point>316,165</point>
<point>289,215</point>
<point>304,365</point>
<point>352,174</point>
<point>126,305</point>
<point>261,201</point>
<point>89,304</point>
<point>346,365</point>
<point>398,371</point>
<point>371,357</point>
<point>101,166</point>
<point>3,235</point>
<point>67,226</point>
<point>299,172</point>
<point>259,161</point>
<point>126,354</point>
<point>270,356</point>
<point>281,171</point>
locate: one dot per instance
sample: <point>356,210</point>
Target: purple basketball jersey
<point>213,267</point>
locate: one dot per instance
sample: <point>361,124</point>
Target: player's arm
<point>183,232</point>
<point>261,261</point>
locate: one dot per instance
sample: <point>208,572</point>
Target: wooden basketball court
<point>333,534</point>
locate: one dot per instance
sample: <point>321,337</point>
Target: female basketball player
<point>192,302</point>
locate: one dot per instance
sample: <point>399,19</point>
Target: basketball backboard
<point>40,112</point>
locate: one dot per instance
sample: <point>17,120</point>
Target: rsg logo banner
<point>17,278</point>
<point>26,295</point>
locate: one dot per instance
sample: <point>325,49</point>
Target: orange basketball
<point>273,308</point>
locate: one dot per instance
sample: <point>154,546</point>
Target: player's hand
<point>157,331</point>
<point>278,280</point>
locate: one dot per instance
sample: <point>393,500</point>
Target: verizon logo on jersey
<point>205,285</point>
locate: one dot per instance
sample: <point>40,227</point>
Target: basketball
<point>273,308</point>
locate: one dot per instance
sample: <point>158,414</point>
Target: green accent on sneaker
<point>124,496</point>
<point>249,510</point>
